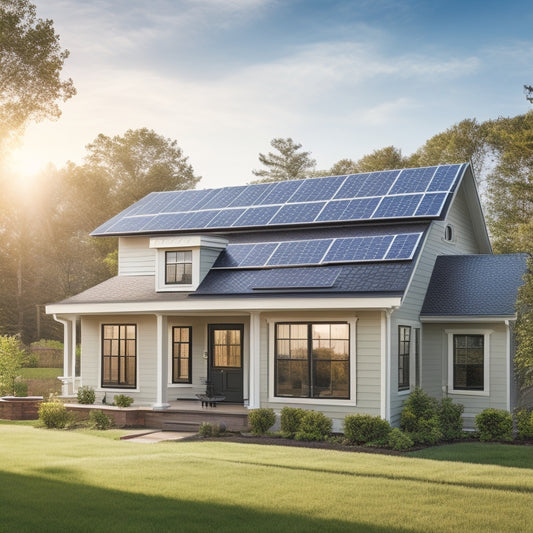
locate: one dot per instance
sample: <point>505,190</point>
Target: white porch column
<point>162,363</point>
<point>66,378</point>
<point>255,361</point>
<point>73,338</point>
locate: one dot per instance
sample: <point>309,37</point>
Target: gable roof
<point>405,194</point>
<point>474,285</point>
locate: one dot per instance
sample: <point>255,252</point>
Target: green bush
<point>450,419</point>
<point>420,419</point>
<point>86,395</point>
<point>363,429</point>
<point>211,430</point>
<point>398,440</point>
<point>20,388</point>
<point>524,423</point>
<point>261,420</point>
<point>494,424</point>
<point>314,426</point>
<point>30,361</point>
<point>121,400</point>
<point>54,415</point>
<point>99,420</point>
<point>291,418</point>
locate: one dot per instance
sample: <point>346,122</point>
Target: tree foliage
<point>287,163</point>
<point>387,158</point>
<point>31,60</point>
<point>12,355</point>
<point>523,359</point>
<point>528,89</point>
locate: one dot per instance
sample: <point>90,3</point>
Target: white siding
<point>135,258</point>
<point>208,256</point>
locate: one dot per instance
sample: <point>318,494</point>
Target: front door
<point>225,360</point>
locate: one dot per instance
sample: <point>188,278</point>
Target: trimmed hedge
<point>363,429</point>
<point>261,420</point>
<point>291,418</point>
<point>494,424</point>
<point>314,426</point>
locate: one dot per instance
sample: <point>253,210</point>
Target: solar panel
<point>431,204</point>
<point>281,192</point>
<point>358,249</point>
<point>297,213</point>
<point>444,178</point>
<point>300,252</point>
<point>257,216</point>
<point>403,246</point>
<point>233,255</point>
<point>299,278</point>
<point>317,189</point>
<point>225,218</point>
<point>259,255</point>
<point>413,180</point>
<point>408,193</point>
<point>397,206</point>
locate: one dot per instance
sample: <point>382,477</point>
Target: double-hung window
<point>468,362</point>
<point>119,355</point>
<point>312,360</point>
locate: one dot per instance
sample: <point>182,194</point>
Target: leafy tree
<point>523,359</point>
<point>288,164</point>
<point>510,184</point>
<point>387,158</point>
<point>137,163</point>
<point>12,356</point>
<point>341,167</point>
<point>31,60</point>
<point>463,142</point>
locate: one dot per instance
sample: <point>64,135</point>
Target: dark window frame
<point>123,380</point>
<point>469,367</point>
<point>311,360</point>
<point>404,358</point>
<point>173,266</point>
<point>176,356</point>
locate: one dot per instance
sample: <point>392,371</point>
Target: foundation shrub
<point>54,415</point>
<point>314,426</point>
<point>291,418</point>
<point>450,419</point>
<point>261,420</point>
<point>419,418</point>
<point>99,420</point>
<point>363,429</point>
<point>121,400</point>
<point>211,430</point>
<point>86,395</point>
<point>524,424</point>
<point>494,424</point>
<point>398,440</point>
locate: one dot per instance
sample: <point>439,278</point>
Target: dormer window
<point>178,267</point>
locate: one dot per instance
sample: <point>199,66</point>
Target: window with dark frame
<point>468,362</point>
<point>404,351</point>
<point>119,355</point>
<point>181,354</point>
<point>312,360</point>
<point>178,267</point>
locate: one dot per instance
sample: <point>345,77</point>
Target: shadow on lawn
<point>31,503</point>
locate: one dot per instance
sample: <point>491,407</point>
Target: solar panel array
<point>406,193</point>
<point>386,247</point>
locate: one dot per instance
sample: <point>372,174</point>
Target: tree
<point>137,163</point>
<point>31,60</point>
<point>11,358</point>
<point>288,164</point>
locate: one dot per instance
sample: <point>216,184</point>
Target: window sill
<point>469,392</point>
<point>180,385</point>
<point>311,401</point>
<point>404,392</point>
<point>117,390</point>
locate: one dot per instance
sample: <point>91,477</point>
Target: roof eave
<point>467,318</point>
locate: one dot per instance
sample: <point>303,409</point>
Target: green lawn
<point>40,373</point>
<point>66,480</point>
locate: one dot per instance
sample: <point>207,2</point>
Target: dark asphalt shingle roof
<point>474,285</point>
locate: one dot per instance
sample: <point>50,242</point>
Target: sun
<point>26,163</point>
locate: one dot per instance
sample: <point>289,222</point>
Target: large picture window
<point>181,354</point>
<point>312,360</point>
<point>468,362</point>
<point>404,357</point>
<point>119,355</point>
<point>178,267</point>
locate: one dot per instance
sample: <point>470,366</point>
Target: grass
<point>65,480</point>
<point>41,373</point>
<point>42,381</point>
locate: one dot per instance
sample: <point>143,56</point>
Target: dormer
<point>182,262</point>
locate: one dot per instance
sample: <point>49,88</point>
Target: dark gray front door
<point>225,360</point>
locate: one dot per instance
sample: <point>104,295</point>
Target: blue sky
<point>224,77</point>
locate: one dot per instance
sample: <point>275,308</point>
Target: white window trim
<point>352,323</point>
<point>453,239</point>
<point>486,361</point>
<point>169,352</point>
<point>412,363</point>
<point>160,272</point>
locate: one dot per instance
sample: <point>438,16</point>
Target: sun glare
<point>25,165</point>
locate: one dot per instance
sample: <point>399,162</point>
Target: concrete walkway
<point>156,436</point>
